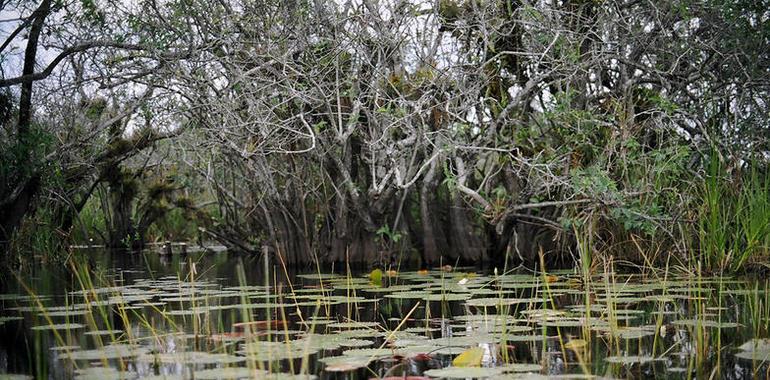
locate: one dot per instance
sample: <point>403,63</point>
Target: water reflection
<point>224,316</point>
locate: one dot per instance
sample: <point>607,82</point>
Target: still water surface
<point>224,316</point>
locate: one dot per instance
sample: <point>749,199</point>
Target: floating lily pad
<point>3,320</point>
<point>628,332</point>
<point>113,351</point>
<point>392,288</point>
<point>756,345</point>
<point>463,372</point>
<point>469,340</point>
<point>522,367</point>
<point>64,313</point>
<point>64,348</point>
<point>353,325</point>
<point>576,344</point>
<point>11,376</point>
<point>192,357</point>
<point>573,322</point>
<point>408,295</point>
<point>58,326</point>
<point>319,276</point>
<point>442,297</point>
<point>362,333</point>
<point>451,350</point>
<point>499,302</point>
<point>345,363</point>
<point>165,377</point>
<point>528,338</point>
<point>228,373</point>
<point>706,323</point>
<point>355,343</point>
<point>100,373</point>
<point>371,352</point>
<point>287,376</point>
<point>103,332</point>
<point>629,360</point>
<point>469,358</point>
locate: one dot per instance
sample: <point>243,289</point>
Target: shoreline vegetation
<point>728,232</point>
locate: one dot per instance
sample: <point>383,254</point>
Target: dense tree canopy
<point>356,130</point>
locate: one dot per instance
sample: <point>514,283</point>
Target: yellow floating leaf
<point>469,358</point>
<point>576,344</point>
<point>375,277</point>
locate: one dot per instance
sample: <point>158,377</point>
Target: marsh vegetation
<point>486,188</point>
<point>221,316</point>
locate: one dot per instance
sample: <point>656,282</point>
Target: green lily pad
<point>443,297</point>
<point>58,326</point>
<point>499,302</point>
<point>754,355</point>
<point>113,351</point>
<point>345,363</point>
<point>353,325</point>
<point>11,376</point>
<point>756,345</point>
<point>706,323</point>
<point>370,352</point>
<point>463,372</point>
<point>522,367</point>
<point>228,373</point>
<point>100,373</point>
<point>629,360</point>
<point>191,357</point>
<point>103,332</point>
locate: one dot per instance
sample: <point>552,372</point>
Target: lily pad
<point>522,367</point>
<point>463,372</point>
<point>11,376</point>
<point>345,363</point>
<point>756,356</point>
<point>629,360</point>
<point>228,373</point>
<point>756,345</point>
<point>58,326</point>
<point>191,357</point>
<point>100,373</point>
<point>113,351</point>
<point>103,332</point>
<point>353,325</point>
<point>706,323</point>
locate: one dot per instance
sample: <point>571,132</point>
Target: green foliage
<point>39,235</point>
<point>176,224</point>
<point>385,232</point>
<point>594,182</point>
<point>24,157</point>
<point>734,220</point>
<point>90,223</point>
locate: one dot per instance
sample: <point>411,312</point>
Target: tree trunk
<point>20,203</point>
<point>12,214</point>
<point>463,237</point>
<point>432,237</point>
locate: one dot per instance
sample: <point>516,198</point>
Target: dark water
<point>221,316</point>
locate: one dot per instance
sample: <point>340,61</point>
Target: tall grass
<point>734,221</point>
